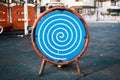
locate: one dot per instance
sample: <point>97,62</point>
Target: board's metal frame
<point>44,59</point>
<point>77,66</point>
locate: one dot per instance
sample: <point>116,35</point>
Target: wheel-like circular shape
<point>1,29</point>
<point>60,35</point>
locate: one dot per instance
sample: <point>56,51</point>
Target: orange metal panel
<point>3,14</point>
<point>18,17</point>
<point>4,21</point>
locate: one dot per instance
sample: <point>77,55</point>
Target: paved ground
<point>101,61</point>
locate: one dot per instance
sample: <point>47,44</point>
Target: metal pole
<point>38,7</point>
<point>42,67</point>
<point>25,17</point>
<point>98,12</point>
<point>8,3</point>
<point>10,18</point>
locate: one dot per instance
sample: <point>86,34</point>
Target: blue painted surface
<point>60,36</point>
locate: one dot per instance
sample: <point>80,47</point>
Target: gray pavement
<point>101,61</point>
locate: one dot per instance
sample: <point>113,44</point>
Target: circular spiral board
<point>59,35</point>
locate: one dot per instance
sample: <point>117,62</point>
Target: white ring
<point>1,29</point>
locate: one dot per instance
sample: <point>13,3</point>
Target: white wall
<point>44,2</point>
<point>105,6</point>
<point>72,2</point>
<point>118,4</point>
<point>80,3</point>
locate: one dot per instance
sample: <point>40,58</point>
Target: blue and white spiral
<point>60,36</point>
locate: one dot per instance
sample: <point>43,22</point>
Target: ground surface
<point>101,61</point>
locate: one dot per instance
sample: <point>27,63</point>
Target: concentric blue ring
<point>60,36</point>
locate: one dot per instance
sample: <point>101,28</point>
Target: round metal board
<point>60,35</point>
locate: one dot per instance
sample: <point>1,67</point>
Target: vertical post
<point>42,67</point>
<point>98,13</point>
<point>38,7</point>
<point>25,17</point>
<point>10,18</point>
<point>9,11</point>
<point>78,68</point>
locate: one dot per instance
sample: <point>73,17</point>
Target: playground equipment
<point>18,17</point>
<point>4,20</point>
<point>60,36</point>
<point>12,18</point>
